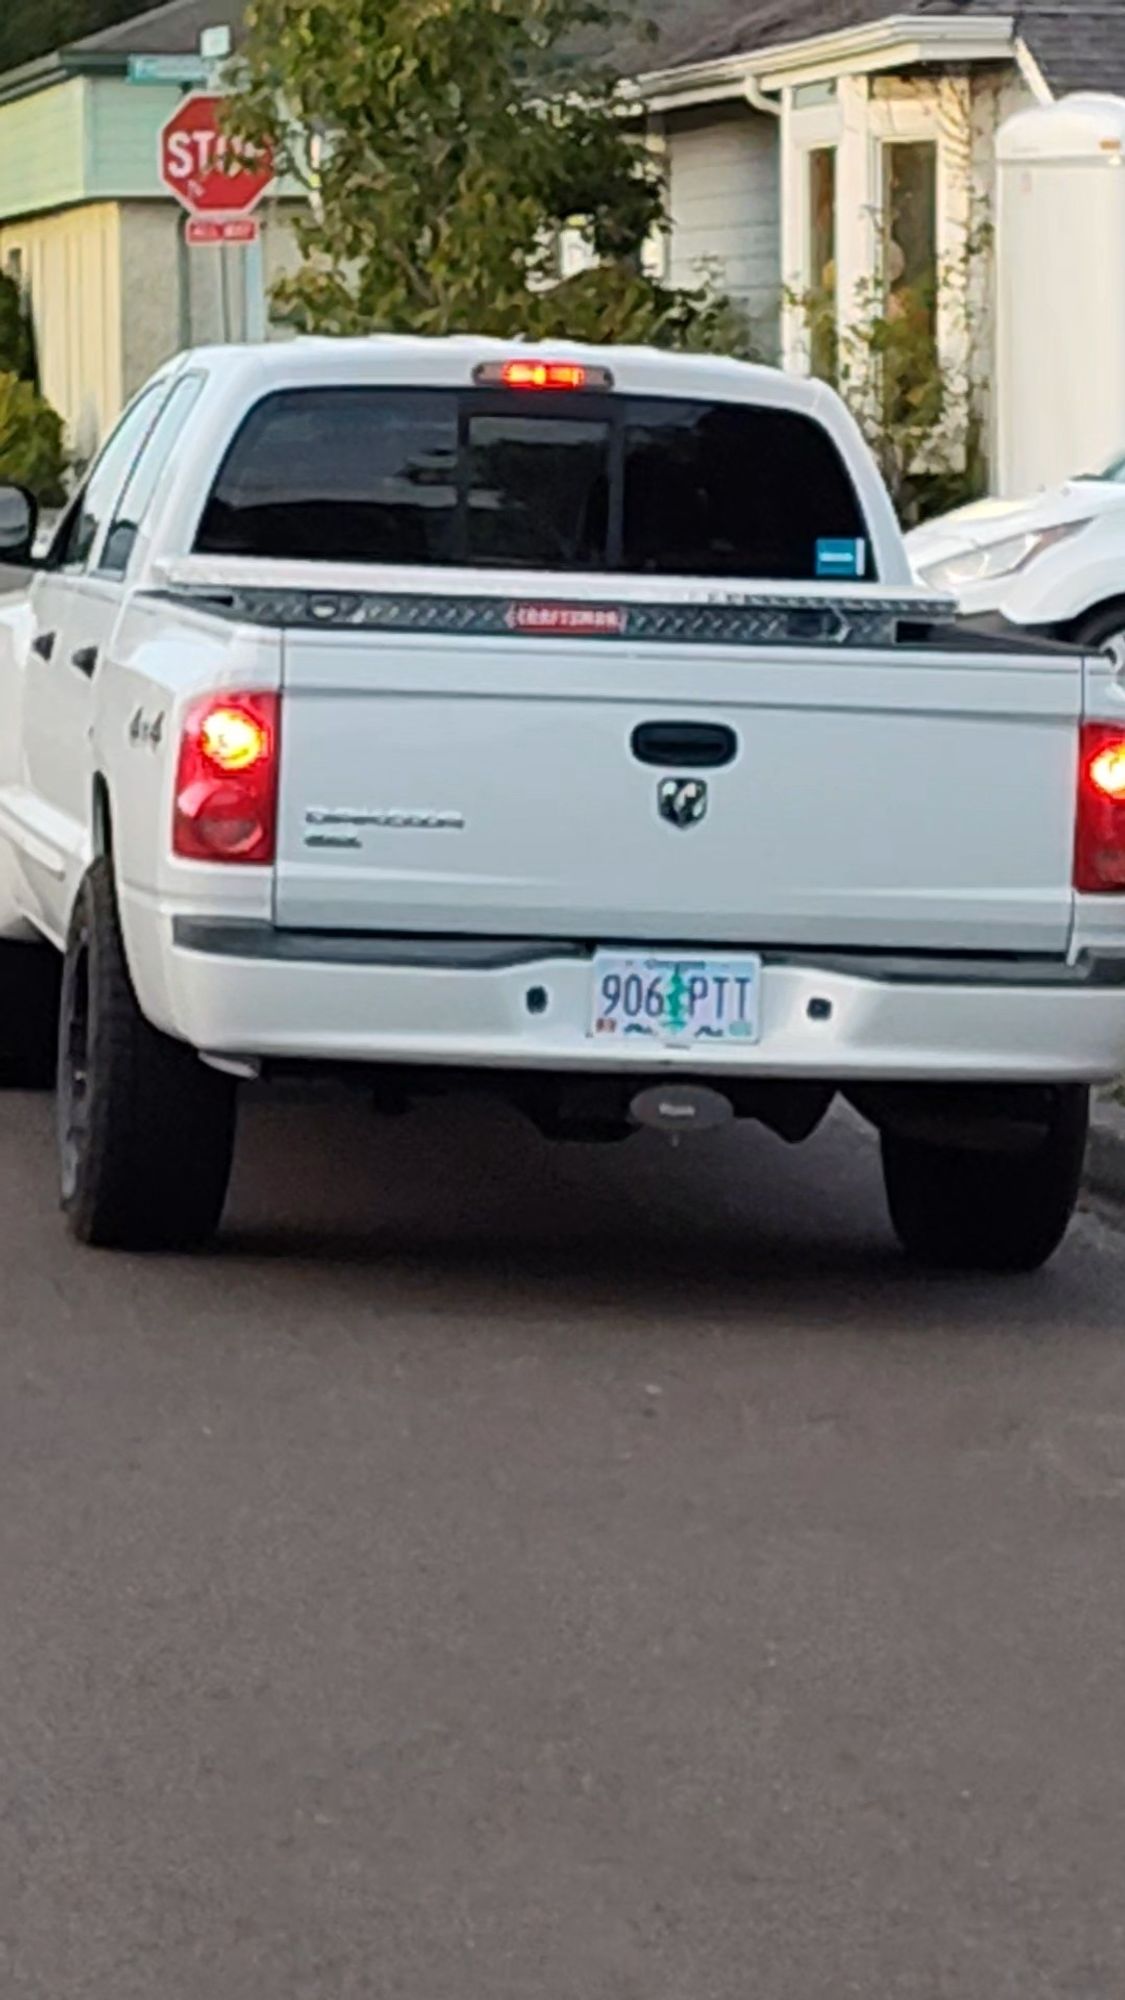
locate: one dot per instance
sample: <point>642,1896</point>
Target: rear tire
<point>1104,632</point>
<point>957,1209</point>
<point>146,1131</point>
<point>30,978</point>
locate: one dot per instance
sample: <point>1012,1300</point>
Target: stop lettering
<point>206,169</point>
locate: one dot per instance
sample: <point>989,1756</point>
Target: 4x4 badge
<point>147,730</point>
<point>682,801</point>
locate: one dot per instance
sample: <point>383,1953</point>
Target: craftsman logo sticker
<point>573,621</point>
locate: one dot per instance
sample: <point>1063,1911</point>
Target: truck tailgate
<point>877,796</point>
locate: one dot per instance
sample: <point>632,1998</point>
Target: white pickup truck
<point>458,713</point>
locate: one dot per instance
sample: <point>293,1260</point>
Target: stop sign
<point>206,169</point>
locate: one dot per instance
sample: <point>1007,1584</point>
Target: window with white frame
<point>879,182</point>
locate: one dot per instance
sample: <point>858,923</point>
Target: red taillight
<point>543,375</point>
<point>532,373</point>
<point>226,780</point>
<point>1099,853</point>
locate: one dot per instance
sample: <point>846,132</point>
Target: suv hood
<point>994,520</point>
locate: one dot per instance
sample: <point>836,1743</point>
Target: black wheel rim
<point>74,1069</point>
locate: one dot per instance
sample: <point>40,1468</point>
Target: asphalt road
<point>503,1573</point>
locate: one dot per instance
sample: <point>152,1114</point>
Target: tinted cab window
<point>495,479</point>
<point>78,533</point>
<point>141,485</point>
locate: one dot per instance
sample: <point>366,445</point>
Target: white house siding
<point>724,204</point>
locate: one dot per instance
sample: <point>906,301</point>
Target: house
<point>808,140</point>
<point>87,226</point>
<point>830,150</point>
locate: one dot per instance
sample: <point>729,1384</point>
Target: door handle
<point>85,659</point>
<point>689,746</point>
<point>44,644</point>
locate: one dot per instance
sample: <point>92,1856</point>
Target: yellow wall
<point>105,280</point>
<point>72,262</point>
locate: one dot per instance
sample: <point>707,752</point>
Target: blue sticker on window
<point>841,558</point>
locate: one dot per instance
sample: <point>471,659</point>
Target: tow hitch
<point>676,1108</point>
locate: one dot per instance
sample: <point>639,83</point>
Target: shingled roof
<point>170,30</point>
<point>1078,44</point>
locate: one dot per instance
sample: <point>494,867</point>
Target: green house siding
<point>122,130</point>
<point>42,150</point>
<point>92,138</point>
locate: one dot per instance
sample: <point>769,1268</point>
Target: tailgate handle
<point>690,746</point>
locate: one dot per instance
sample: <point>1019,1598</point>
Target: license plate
<point>679,1000</point>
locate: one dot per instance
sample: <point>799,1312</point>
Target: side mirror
<point>19,519</point>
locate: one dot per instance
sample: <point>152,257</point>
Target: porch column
<point>794,333</point>
<point>857,202</point>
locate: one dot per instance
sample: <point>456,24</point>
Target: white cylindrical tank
<point>1060,274</point>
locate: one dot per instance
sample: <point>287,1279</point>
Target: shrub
<point>923,413</point>
<point>17,333</point>
<point>31,442</point>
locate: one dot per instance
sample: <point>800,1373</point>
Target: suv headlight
<point>997,559</point>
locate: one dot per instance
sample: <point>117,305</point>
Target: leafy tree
<point>446,144</point>
<point>31,442</point>
<point>32,451</point>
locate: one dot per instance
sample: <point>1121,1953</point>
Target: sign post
<point>215,46</point>
<point>220,181</point>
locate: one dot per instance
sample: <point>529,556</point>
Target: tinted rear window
<point>537,491</point>
<point>652,487</point>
